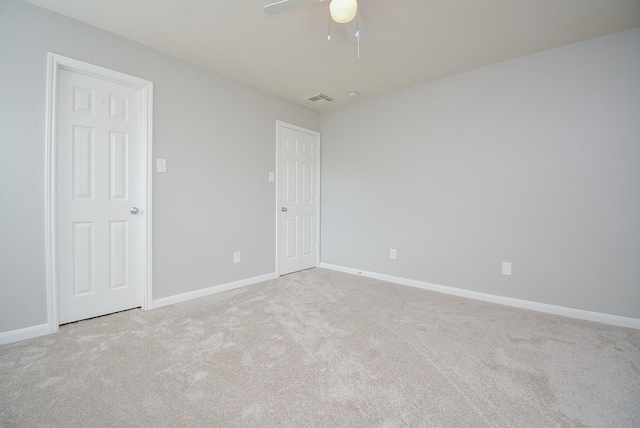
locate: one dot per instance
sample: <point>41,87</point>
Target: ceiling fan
<point>341,11</point>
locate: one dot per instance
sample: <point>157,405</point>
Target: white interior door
<point>98,190</point>
<point>298,163</point>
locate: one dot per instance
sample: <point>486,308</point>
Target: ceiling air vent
<point>319,99</point>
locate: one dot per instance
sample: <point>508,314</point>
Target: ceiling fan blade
<point>287,5</point>
<point>353,27</point>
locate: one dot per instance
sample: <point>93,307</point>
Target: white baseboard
<point>508,301</point>
<point>24,334</point>
<point>43,329</point>
<point>184,297</point>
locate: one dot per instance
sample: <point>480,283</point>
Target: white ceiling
<point>405,42</point>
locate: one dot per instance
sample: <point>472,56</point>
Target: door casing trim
<point>56,62</point>
<point>281,124</point>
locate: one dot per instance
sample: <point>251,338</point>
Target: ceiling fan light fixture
<point>343,11</point>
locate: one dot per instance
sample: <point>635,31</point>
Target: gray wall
<point>217,135</point>
<point>534,161</point>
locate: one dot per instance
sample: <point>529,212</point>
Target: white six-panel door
<point>298,199</point>
<point>98,186</point>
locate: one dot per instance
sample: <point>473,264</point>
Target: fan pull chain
<point>329,26</point>
<point>358,32</point>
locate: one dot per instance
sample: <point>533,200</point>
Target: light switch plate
<point>272,177</point>
<point>506,268</point>
<point>161,165</point>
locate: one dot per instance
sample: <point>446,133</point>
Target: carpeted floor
<point>323,348</point>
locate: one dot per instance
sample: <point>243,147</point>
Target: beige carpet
<point>322,348</point>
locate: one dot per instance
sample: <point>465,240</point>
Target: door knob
<point>283,209</point>
<point>133,210</point>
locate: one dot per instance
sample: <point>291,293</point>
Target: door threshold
<point>290,273</point>
<point>100,316</point>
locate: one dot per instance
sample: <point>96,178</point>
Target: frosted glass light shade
<point>343,11</point>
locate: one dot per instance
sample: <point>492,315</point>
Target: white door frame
<point>281,124</point>
<point>56,62</point>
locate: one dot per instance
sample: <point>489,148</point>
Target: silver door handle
<point>283,209</point>
<point>133,210</point>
